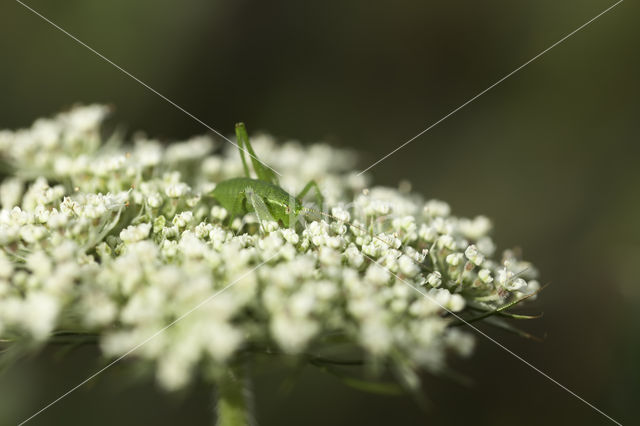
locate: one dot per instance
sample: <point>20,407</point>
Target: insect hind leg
<point>237,209</point>
<point>259,207</point>
<point>241,138</point>
<point>262,171</point>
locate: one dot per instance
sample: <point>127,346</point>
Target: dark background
<point>551,155</point>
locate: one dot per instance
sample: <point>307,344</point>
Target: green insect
<point>263,195</point>
<point>271,202</point>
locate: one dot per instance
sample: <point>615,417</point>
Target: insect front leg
<point>319,198</point>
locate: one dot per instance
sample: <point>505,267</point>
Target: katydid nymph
<point>263,196</point>
<point>270,202</point>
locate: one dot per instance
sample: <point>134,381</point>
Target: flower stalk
<point>233,399</point>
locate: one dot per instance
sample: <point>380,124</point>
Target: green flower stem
<point>233,399</point>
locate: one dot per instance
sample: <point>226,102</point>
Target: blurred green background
<point>551,155</point>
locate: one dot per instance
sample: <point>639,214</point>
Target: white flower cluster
<point>123,240</point>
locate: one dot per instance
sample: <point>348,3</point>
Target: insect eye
<point>287,210</point>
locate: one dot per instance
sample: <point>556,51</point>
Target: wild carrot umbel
<point>113,241</point>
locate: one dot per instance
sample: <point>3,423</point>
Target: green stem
<point>233,399</point>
